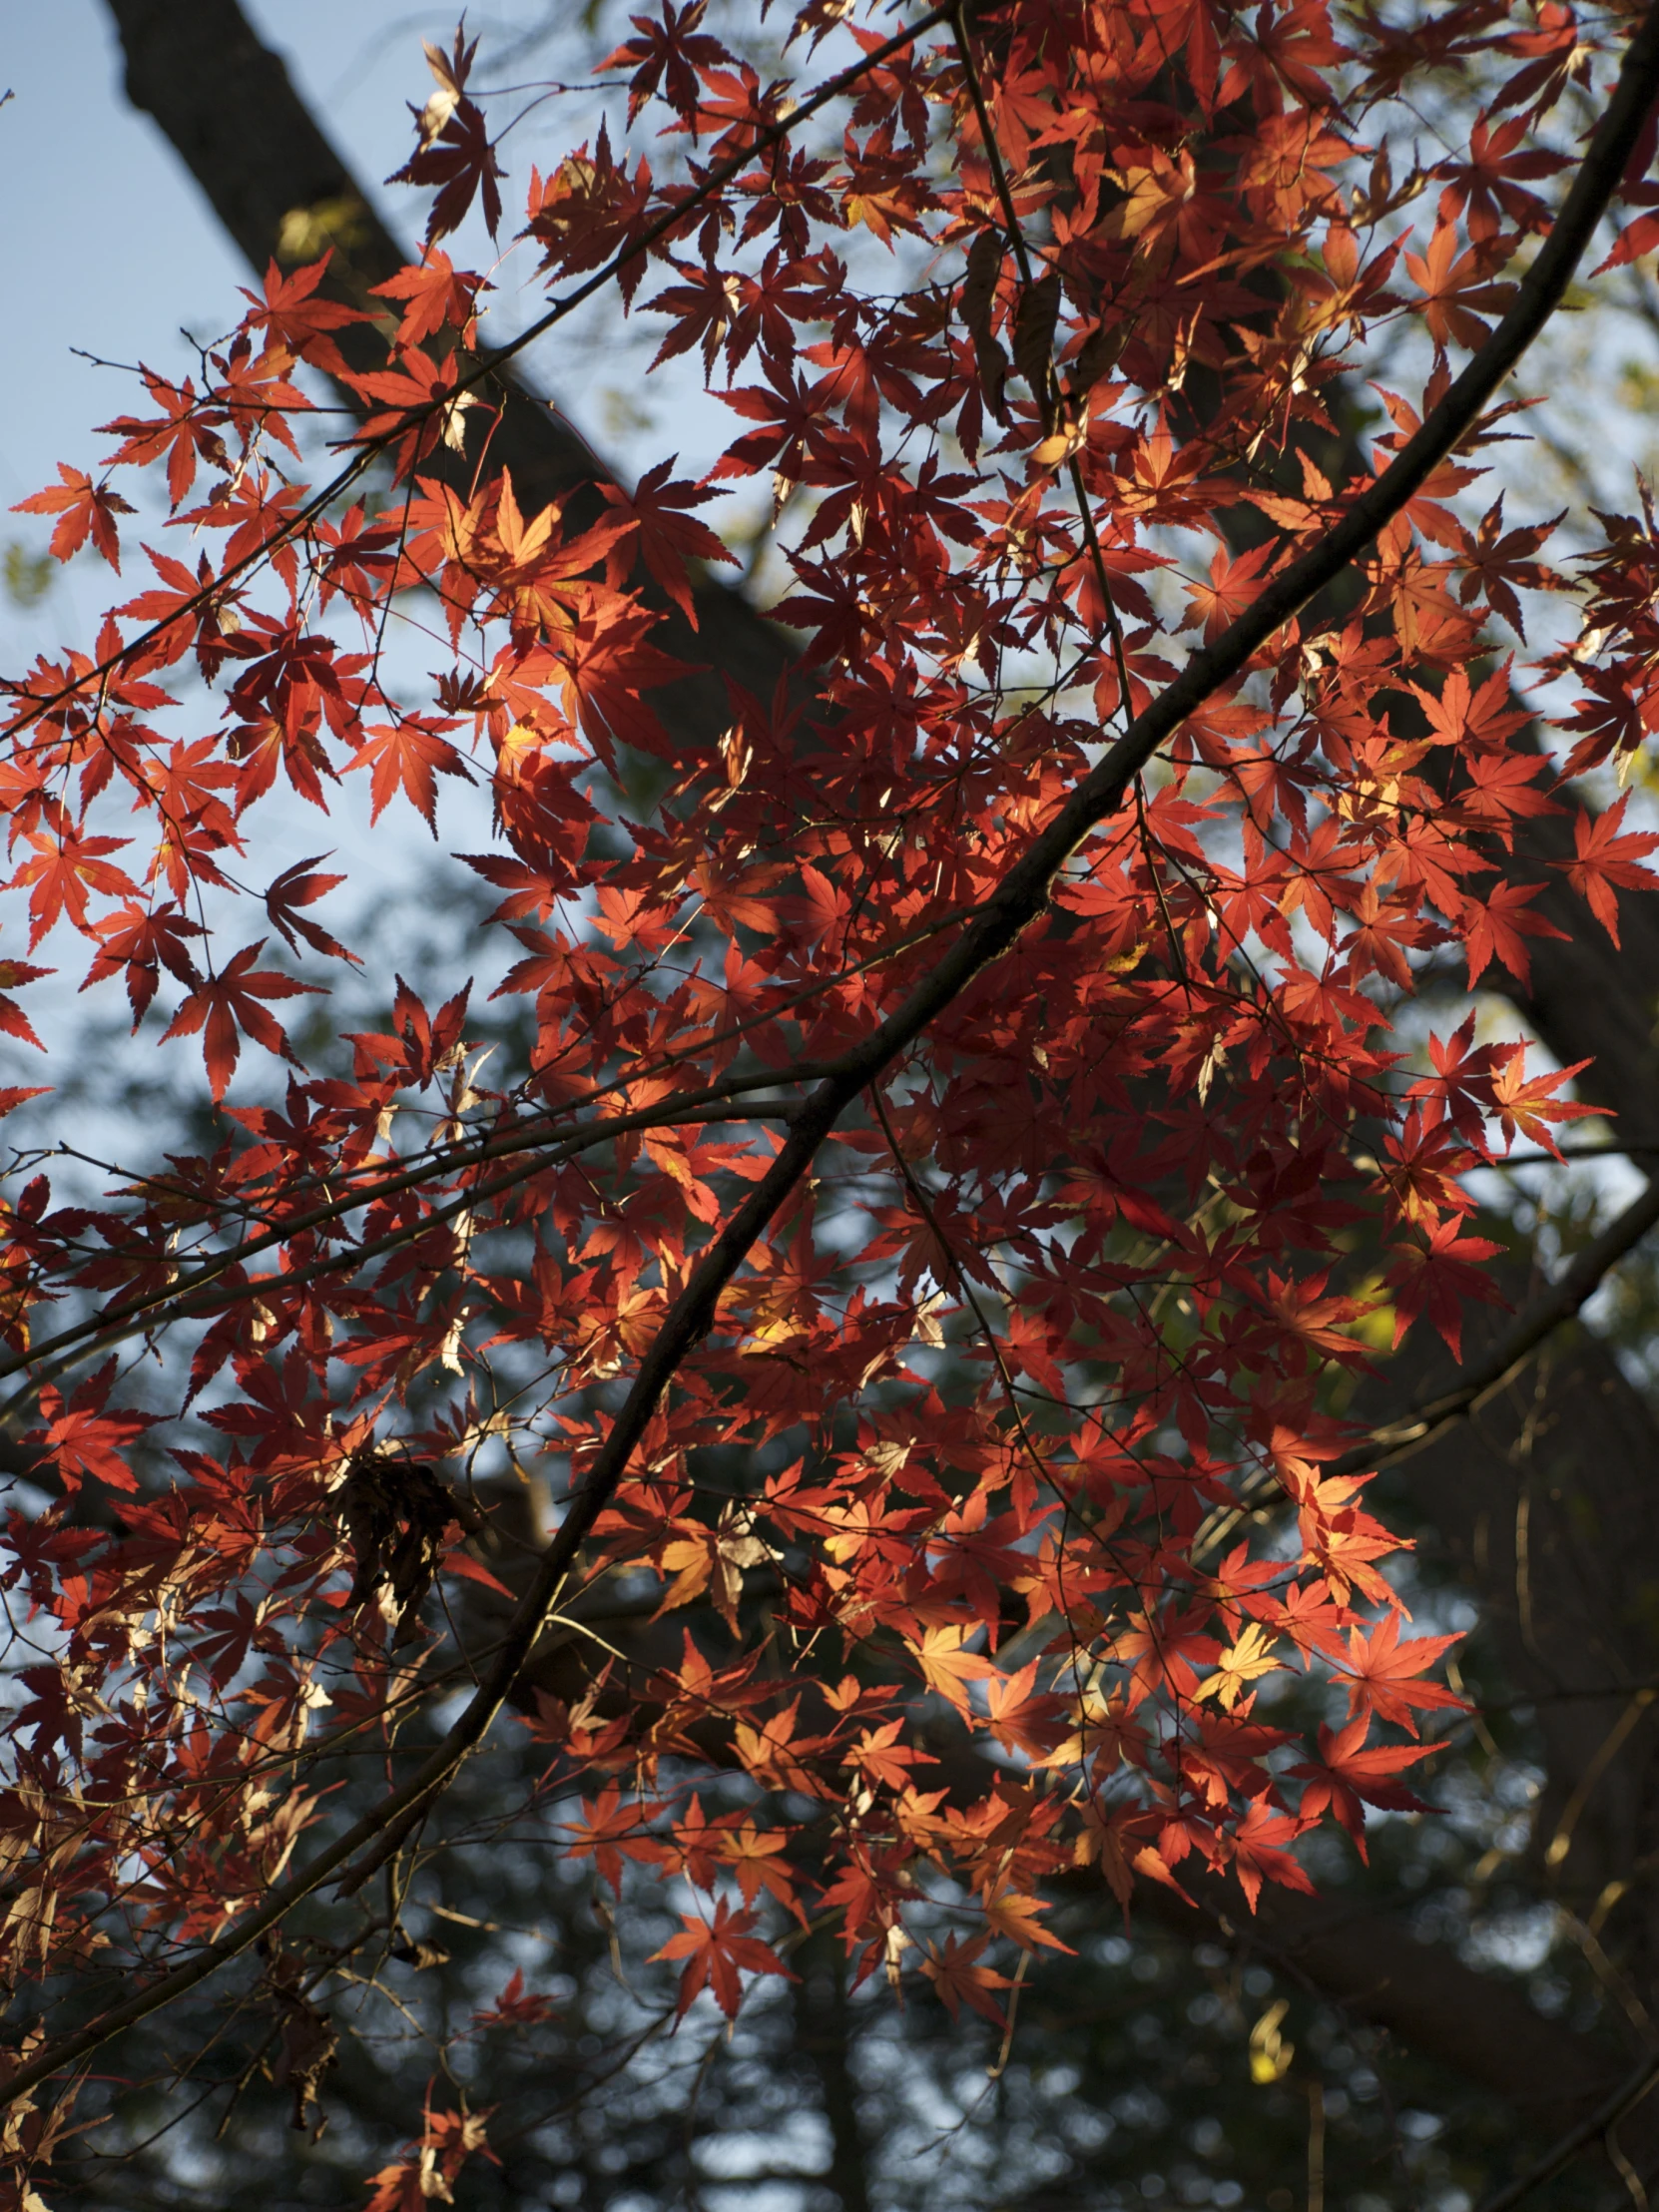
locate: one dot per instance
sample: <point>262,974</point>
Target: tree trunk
<point>823,2036</point>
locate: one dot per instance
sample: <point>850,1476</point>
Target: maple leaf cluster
<point>929,1201</point>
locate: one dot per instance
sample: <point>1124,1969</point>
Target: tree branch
<point>1399,1438</point>
<point>115,1324</point>
<point>1605,2117</point>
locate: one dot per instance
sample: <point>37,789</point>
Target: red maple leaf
<point>293,314</point>
<point>82,1438</point>
<point>220,1003</point>
<point>1233,581</point>
<point>1497,928</point>
<point>448,2140</point>
<point>1016,1915</point>
<point>1455,286</point>
<point>1022,1718</point>
<point>668,53</point>
<point>1494,561</point>
<point>66,868</point>
<point>85,509</point>
<point>192,599</point>
<point>144,941</point>
<point>14,1022</point>
<point>1642,235</point>
<point>666,537</point>
<point>1379,1673</point>
<point>961,1979</point>
<point>412,393</point>
<point>1261,1852</point>
<point>405,756</point>
<point>1461,1085</point>
<point>398,2188</point>
<point>435,293</point>
<point>298,887</point>
<point>1437,1279</point>
<point>185,433</point>
<point>1609,855</point>
<point>716,1952</point>
<point>517,2006</point>
<point>460,159</point>
<point>611,1828</point>
<point>1485,185</point>
<point>1345,1778</point>
<point>1528,1103</point>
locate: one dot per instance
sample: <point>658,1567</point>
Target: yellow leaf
<point>1270,2054</point>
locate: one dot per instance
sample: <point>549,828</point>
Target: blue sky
<point>117,246</point>
<point>111,246</point>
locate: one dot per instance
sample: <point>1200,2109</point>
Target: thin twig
<point>1047,389</point>
<point>1605,2116</point>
